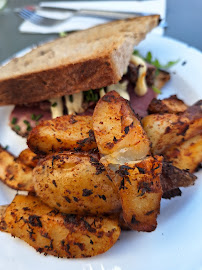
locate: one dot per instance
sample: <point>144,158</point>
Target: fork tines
<point>34,18</point>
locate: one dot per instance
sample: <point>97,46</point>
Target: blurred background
<point>183,18</point>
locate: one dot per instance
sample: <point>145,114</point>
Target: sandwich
<point>70,74</point>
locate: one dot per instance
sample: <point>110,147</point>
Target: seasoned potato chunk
<point>187,155</point>
<point>28,158</point>
<point>14,173</point>
<point>168,129</point>
<point>122,141</point>
<point>68,132</point>
<point>161,78</point>
<point>140,192</point>
<point>61,235</point>
<point>75,184</point>
<point>173,177</point>
<point>167,105</point>
<point>117,130</point>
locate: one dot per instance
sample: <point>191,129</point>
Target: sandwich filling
<point>135,86</point>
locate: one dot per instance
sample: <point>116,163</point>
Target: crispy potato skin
<point>117,130</point>
<point>141,192</point>
<point>68,132</point>
<point>168,129</point>
<point>187,155</point>
<point>172,193</point>
<point>14,173</point>
<point>173,177</point>
<point>61,235</point>
<point>28,158</point>
<point>75,184</point>
<point>167,105</point>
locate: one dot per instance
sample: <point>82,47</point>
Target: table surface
<point>183,17</point>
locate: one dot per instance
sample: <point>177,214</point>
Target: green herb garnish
<point>5,147</point>
<point>16,127</point>
<point>35,117</point>
<point>71,98</point>
<point>136,52</point>
<point>29,128</point>
<point>155,62</point>
<point>148,57</point>
<point>156,90</point>
<point>28,125</point>
<point>170,64</point>
<point>157,72</point>
<point>62,34</point>
<point>26,122</point>
<point>38,117</point>
<point>14,121</point>
<point>91,95</point>
<point>54,104</point>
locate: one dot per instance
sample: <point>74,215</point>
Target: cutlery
<point>34,18</point>
<point>29,13</point>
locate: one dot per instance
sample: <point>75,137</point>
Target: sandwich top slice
<point>88,59</point>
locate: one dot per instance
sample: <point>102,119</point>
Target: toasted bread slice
<point>85,60</point>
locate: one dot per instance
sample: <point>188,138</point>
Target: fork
<point>33,17</point>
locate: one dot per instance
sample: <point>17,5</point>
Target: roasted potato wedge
<point>28,158</point>
<point>75,184</point>
<point>172,193</point>
<point>14,173</point>
<point>61,235</point>
<point>122,141</point>
<point>68,132</point>
<point>161,79</point>
<point>173,177</point>
<point>187,155</point>
<point>167,105</point>
<point>141,192</point>
<point>122,223</point>
<point>168,129</point>
<point>118,132</point>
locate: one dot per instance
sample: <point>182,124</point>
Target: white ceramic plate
<point>177,241</point>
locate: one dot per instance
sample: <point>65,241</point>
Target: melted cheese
<point>56,107</point>
<point>74,106</point>
<point>125,71</point>
<point>102,92</point>
<point>120,88</point>
<point>141,86</point>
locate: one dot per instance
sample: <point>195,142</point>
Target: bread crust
<point>59,81</point>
